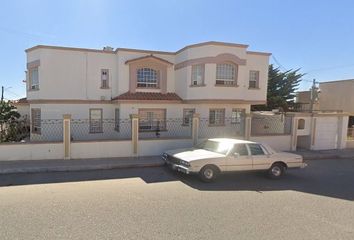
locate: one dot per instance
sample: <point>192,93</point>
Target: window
<point>217,117</point>
<point>152,119</point>
<point>301,124</point>
<point>33,79</point>
<point>116,119</point>
<point>187,116</point>
<point>36,120</point>
<point>237,115</point>
<point>225,74</point>
<point>147,78</point>
<point>197,75</point>
<point>241,149</point>
<point>256,149</point>
<point>96,121</point>
<point>254,79</point>
<point>104,78</point>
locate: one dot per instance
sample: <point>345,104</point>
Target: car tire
<point>276,171</point>
<point>208,173</point>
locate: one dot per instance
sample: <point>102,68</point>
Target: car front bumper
<point>303,165</point>
<point>176,167</point>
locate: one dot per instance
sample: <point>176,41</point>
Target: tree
<point>8,122</point>
<point>281,89</point>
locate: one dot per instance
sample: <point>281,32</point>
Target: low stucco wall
<point>31,151</point>
<point>277,142</point>
<point>101,149</point>
<point>158,146</point>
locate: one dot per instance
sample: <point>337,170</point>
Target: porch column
<point>195,128</point>
<point>294,126</point>
<point>248,126</point>
<point>135,132</point>
<point>66,135</point>
<point>313,132</point>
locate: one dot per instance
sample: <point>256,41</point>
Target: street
<point>155,203</point>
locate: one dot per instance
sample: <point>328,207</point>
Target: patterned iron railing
<point>271,125</point>
<point>169,128</point>
<point>230,128</point>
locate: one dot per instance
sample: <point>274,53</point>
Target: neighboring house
<point>22,107</point>
<point>220,81</point>
<point>337,95</point>
<point>303,102</point>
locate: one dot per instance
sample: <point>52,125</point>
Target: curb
<point>77,168</point>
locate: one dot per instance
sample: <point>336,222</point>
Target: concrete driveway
<point>155,203</point>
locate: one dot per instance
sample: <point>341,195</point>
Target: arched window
<point>147,78</point>
<point>226,74</point>
<point>301,124</point>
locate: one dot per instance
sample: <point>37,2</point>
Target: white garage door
<point>326,133</point>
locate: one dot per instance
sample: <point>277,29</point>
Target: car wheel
<point>208,173</point>
<point>276,171</point>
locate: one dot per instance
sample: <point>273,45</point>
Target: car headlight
<point>185,163</point>
<point>164,156</point>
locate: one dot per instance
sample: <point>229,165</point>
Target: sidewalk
<point>326,154</point>
<point>60,165</point>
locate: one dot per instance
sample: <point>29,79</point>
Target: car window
<point>256,149</point>
<point>241,149</point>
<point>213,146</point>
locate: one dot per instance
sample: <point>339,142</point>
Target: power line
<point>279,64</point>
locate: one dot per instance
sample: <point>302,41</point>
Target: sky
<point>315,36</point>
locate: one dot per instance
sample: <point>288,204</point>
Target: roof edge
<point>215,43</point>
<point>68,48</point>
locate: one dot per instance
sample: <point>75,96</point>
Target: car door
<point>239,158</point>
<point>260,158</point>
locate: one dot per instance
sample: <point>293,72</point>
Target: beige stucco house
<point>218,80</point>
<point>337,95</point>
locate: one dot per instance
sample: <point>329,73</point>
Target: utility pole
<point>2,93</point>
<point>314,94</point>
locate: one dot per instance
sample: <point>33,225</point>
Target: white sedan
<point>218,155</point>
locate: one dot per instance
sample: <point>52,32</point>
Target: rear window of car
<point>256,149</point>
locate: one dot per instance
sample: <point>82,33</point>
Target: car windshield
<point>213,146</point>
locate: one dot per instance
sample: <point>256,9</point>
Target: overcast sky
<point>316,36</point>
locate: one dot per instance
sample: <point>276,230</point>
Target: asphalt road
<point>155,203</point>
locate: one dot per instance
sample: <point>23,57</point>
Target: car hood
<point>190,154</point>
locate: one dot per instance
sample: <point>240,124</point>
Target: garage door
<point>326,133</point>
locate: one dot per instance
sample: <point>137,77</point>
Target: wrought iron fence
<point>107,129</point>
<point>271,125</point>
<point>14,131</point>
<point>49,130</point>
<point>169,128</point>
<point>230,128</point>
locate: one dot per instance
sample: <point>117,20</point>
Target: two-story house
<point>215,79</point>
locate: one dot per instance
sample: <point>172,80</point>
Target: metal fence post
<point>66,135</point>
<point>135,132</point>
<point>195,128</point>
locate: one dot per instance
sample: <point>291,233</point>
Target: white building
<point>101,88</point>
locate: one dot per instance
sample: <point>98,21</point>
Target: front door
<point>239,159</point>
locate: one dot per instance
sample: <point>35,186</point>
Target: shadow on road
<point>332,178</point>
